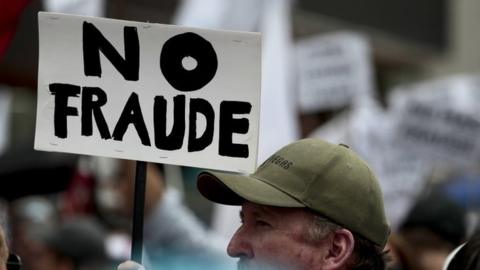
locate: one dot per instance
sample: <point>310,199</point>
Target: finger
<point>130,265</point>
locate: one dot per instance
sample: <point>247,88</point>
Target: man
<point>311,205</point>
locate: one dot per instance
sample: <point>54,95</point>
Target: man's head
<point>310,205</point>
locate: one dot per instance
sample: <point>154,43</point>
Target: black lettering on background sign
<point>198,105</point>
<point>62,92</point>
<point>132,114</point>
<point>92,108</point>
<point>173,141</point>
<point>188,45</point>
<point>230,125</point>
<point>94,42</point>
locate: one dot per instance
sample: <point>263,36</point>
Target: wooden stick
<point>138,209</point>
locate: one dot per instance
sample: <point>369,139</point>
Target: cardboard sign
<point>333,71</point>
<point>150,92</point>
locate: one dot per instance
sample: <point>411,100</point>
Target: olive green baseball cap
<point>327,178</point>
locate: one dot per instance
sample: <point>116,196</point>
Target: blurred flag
<point>278,118</point>
<point>334,70</point>
<point>10,12</point>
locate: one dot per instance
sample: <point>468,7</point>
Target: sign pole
<point>138,208</point>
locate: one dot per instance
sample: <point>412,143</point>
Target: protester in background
<point>10,14</point>
<point>433,228</point>
<point>466,257</point>
<point>76,244</point>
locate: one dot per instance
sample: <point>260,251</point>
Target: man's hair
<point>367,254</point>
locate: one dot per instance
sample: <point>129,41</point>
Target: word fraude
<point>172,53</point>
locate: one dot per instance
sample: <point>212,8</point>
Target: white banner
<point>333,71</point>
<point>439,121</point>
<point>279,124</point>
<point>151,92</point>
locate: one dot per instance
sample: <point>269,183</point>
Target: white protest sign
<point>150,92</point>
<point>333,71</point>
<point>432,121</point>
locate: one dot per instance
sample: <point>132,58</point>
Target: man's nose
<point>240,245</point>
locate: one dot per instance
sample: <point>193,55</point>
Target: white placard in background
<point>400,172</point>
<point>438,120</point>
<point>333,71</point>
<point>209,80</point>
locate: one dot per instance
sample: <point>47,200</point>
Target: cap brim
<point>234,189</point>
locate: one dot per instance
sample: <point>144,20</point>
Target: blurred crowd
<point>88,226</point>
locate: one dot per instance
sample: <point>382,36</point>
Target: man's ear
<point>340,251</point>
